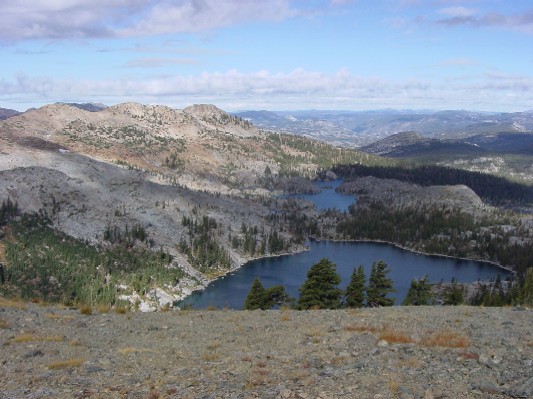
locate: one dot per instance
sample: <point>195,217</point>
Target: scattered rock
<point>232,354</point>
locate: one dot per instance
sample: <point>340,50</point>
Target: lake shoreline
<point>396,245</point>
<point>290,272</point>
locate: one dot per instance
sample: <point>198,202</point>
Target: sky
<point>269,54</point>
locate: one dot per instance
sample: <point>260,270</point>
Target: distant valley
<point>500,143</point>
<point>360,128</point>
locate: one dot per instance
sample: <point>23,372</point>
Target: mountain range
<point>191,181</point>
<point>8,113</point>
<point>357,129</point>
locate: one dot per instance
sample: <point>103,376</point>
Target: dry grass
<point>103,308</point>
<point>213,345</point>
<point>315,332</point>
<point>285,317</point>
<point>261,364</point>
<point>4,324</point>
<point>129,350</point>
<point>412,363</point>
<point>210,356</point>
<point>340,360</point>
<point>85,309</point>
<point>121,310</point>
<point>394,387</point>
<point>55,316</point>
<point>257,377</point>
<point>154,395</point>
<point>396,337</point>
<point>469,355</point>
<point>13,303</point>
<point>445,339</point>
<point>285,314</point>
<point>361,328</point>
<point>261,371</point>
<point>34,338</point>
<point>315,335</point>
<point>297,375</point>
<point>70,363</point>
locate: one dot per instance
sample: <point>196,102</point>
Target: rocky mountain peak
<point>207,112</point>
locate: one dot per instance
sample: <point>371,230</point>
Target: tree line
<point>320,291</point>
<point>436,230</point>
<point>491,189</point>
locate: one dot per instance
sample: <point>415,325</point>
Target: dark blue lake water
<point>291,271</point>
<point>328,197</point>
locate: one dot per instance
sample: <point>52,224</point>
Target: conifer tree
<point>265,298</point>
<point>320,289</point>
<point>355,292</point>
<point>379,285</point>
<point>453,294</point>
<point>419,293</point>
<point>527,288</point>
<point>256,296</point>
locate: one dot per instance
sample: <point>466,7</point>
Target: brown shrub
<point>67,363</point>
<point>85,309</point>
<point>396,337</point>
<point>445,339</point>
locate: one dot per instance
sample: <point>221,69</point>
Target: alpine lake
<point>290,271</point>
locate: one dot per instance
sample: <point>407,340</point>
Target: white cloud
<point>458,15</point>
<point>205,15</point>
<point>459,12</point>
<point>521,22</point>
<point>75,19</point>
<point>295,90</point>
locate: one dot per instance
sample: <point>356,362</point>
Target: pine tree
<point>320,289</point>
<point>265,298</point>
<point>527,288</point>
<point>379,286</point>
<point>276,296</point>
<point>256,297</point>
<point>355,292</point>
<point>453,294</point>
<point>419,293</point>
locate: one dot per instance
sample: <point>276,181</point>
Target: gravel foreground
<point>400,352</point>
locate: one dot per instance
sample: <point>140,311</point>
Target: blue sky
<point>269,54</point>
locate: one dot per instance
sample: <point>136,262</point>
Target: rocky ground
<point>400,352</point>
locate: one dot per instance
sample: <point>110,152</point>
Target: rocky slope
<point>152,166</point>
<point>427,352</point>
<point>177,145</point>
